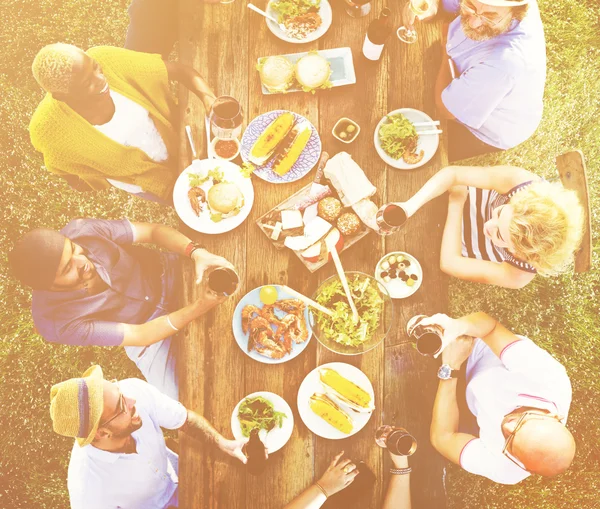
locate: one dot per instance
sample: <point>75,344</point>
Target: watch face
<point>444,372</point>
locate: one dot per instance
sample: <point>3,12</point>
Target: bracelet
<point>171,324</point>
<point>321,488</point>
<point>400,471</point>
<point>191,247</point>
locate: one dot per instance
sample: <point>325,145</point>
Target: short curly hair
<point>547,226</point>
<point>53,67</point>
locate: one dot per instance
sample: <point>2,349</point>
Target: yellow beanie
<point>76,406</point>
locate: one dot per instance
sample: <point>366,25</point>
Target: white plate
<point>203,223</point>
<point>312,384</point>
<point>306,162</point>
<point>429,142</point>
<point>326,18</point>
<point>342,67</point>
<point>253,297</point>
<point>397,288</point>
<point>277,437</point>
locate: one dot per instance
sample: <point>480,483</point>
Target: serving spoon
<point>281,26</point>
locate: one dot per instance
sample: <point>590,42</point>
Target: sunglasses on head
<point>522,420</point>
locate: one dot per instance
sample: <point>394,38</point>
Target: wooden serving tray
<point>288,204</point>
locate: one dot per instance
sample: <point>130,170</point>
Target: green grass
<point>561,314</point>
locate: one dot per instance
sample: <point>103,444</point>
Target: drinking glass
<point>357,8</point>
<point>397,440</point>
<point>421,9</point>
<point>390,218</point>
<point>223,281</point>
<point>226,117</point>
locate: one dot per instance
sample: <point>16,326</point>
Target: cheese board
<point>335,209</point>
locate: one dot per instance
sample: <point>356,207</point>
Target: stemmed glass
<point>226,117</point>
<point>421,9</point>
<point>357,8</point>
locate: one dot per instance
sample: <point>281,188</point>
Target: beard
<point>482,33</point>
<point>133,426</point>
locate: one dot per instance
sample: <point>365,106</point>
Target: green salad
<point>287,9</point>
<point>258,413</point>
<point>341,328</point>
<point>397,136</point>
<point>216,175</point>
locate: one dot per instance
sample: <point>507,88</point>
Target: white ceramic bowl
<point>397,288</point>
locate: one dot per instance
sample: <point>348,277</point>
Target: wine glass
<point>421,9</point>
<point>226,117</point>
<point>390,218</point>
<point>358,8</point>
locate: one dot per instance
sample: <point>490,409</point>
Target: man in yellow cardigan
<point>108,117</point>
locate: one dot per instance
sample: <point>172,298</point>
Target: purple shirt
<point>140,283</point>
<point>499,87</point>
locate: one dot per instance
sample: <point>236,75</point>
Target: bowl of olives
<point>400,273</point>
<point>345,130</point>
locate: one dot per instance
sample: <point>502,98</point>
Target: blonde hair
<point>53,67</point>
<point>547,226</point>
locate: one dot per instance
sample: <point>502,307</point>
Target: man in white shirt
<point>120,459</point>
<point>519,394</point>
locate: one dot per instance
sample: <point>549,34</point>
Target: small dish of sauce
<point>226,149</point>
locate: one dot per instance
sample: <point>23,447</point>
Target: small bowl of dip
<point>225,148</point>
<point>345,130</point>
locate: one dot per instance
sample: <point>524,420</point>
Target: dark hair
<point>36,257</point>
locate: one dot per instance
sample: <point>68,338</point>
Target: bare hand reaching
<point>338,475</point>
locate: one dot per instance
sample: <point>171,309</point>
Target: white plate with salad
<point>267,412</point>
<point>306,20</point>
<point>399,145</point>
<point>213,196</point>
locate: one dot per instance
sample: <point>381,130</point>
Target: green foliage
<point>561,314</point>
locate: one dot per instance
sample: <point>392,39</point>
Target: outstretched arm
<point>199,428</point>
<point>397,495</point>
<point>500,178</point>
<point>191,79</point>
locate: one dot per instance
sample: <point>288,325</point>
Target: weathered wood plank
<point>410,379</point>
<point>290,470</point>
<point>572,171</point>
<point>211,366</point>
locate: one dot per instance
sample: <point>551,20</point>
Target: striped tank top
<point>478,209</point>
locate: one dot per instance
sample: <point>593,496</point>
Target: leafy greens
<point>398,135</point>
<point>341,327</point>
<point>287,9</point>
<point>259,413</point>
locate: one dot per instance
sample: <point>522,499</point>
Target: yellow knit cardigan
<point>73,146</point>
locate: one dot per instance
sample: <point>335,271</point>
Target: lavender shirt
<point>139,284</point>
<point>499,87</point>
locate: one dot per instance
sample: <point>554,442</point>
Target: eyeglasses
<point>484,19</point>
<point>122,408</point>
<point>522,420</point>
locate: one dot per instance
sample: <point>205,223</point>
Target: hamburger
<point>225,200</point>
<point>313,72</point>
<point>276,73</point>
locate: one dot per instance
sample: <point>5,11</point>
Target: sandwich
<point>276,73</point>
<point>313,72</point>
<point>225,200</point>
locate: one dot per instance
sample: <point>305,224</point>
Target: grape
<point>385,265</point>
<point>410,282</point>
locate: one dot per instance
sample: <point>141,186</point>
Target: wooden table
<point>223,42</point>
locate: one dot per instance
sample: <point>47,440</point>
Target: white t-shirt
<point>100,479</point>
<point>523,375</point>
<point>132,126</point>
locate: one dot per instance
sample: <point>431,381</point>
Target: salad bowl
<point>340,333</point>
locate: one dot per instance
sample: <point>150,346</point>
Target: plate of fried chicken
<point>271,333</point>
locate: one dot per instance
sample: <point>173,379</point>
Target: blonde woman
<point>504,225</point>
<point>108,118</point>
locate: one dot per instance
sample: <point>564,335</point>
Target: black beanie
<point>36,257</point>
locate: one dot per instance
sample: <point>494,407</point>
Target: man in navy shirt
<point>92,286</point>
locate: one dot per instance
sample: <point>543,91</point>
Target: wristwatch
<point>191,247</point>
<point>446,372</point>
